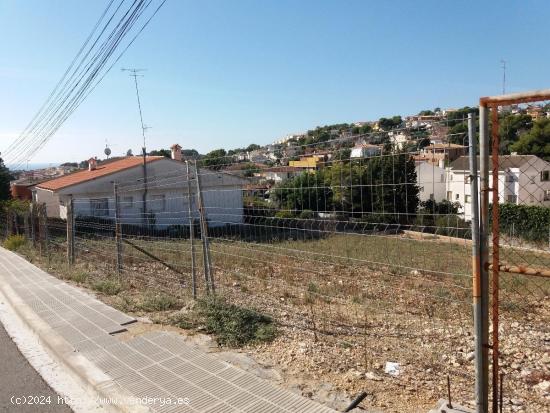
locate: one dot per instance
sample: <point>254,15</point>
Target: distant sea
<point>33,166</point>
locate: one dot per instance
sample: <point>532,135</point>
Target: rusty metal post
<point>483,406</point>
<point>118,231</point>
<point>476,265</point>
<point>495,261</point>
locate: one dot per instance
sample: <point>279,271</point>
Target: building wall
<point>531,187</point>
<point>222,194</point>
<point>431,181</point>
<point>43,196</point>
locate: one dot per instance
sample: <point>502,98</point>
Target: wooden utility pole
<point>191,232</point>
<point>118,231</point>
<point>70,231</point>
<point>208,276</point>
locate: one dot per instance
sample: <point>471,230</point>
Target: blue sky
<point>230,73</point>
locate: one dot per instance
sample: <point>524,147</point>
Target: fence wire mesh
<point>359,248</point>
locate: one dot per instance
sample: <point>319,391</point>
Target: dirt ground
<point>343,313</point>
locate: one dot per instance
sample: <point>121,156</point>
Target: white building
<point>280,173</point>
<point>432,182</point>
<point>398,140</point>
<point>523,179</point>
<point>166,202</point>
<point>365,150</point>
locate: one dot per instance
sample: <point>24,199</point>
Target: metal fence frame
<point>490,105</point>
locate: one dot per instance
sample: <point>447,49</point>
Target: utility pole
<point>135,75</point>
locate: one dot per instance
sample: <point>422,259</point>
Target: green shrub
<point>306,214</point>
<point>14,242</point>
<point>284,214</point>
<point>233,325</point>
<point>78,276</point>
<point>530,222</point>
<point>108,287</point>
<point>158,302</point>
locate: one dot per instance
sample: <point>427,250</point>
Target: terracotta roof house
<point>162,200</point>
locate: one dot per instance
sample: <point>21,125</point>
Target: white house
<point>523,179</point>
<point>280,173</point>
<point>164,203</point>
<point>365,150</point>
<point>432,182</point>
<point>398,140</point>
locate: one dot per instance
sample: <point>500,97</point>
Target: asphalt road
<point>22,390</point>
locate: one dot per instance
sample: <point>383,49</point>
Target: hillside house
<point>365,151</point>
<point>436,153</point>
<point>166,201</point>
<point>279,173</point>
<point>523,179</point>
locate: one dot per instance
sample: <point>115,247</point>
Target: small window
<point>128,202</point>
<point>432,197</point>
<point>450,194</point>
<point>158,203</point>
<point>510,178</point>
<point>545,176</point>
<point>512,199</point>
<point>466,179</point>
<point>467,199</point>
<point>99,207</point>
<point>458,197</point>
<point>546,195</point>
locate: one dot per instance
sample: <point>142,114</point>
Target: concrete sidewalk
<point>80,331</point>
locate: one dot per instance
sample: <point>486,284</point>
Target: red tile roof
<point>102,169</point>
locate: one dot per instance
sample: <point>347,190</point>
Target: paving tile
<point>158,374</point>
<point>156,364</point>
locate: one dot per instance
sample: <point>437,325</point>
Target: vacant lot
<point>345,304</point>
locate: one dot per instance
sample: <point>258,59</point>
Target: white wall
<point>222,194</point>
<point>431,180</point>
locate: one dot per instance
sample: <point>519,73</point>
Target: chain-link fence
<point>358,246</point>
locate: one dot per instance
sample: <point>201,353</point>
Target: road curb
<point>82,370</point>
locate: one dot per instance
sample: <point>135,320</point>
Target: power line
<point>81,78</point>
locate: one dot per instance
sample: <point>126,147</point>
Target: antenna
<point>503,63</point>
<point>107,150</point>
<point>134,73</point>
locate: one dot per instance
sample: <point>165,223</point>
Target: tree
<point>458,134</point>
<point>510,128</point>
<point>426,112</point>
<point>306,191</point>
<point>216,159</point>
<point>536,141</point>
<point>161,152</point>
<point>5,178</point>
<point>252,147</point>
<point>190,153</point>
<point>383,186</point>
<point>390,123</point>
<point>129,152</point>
